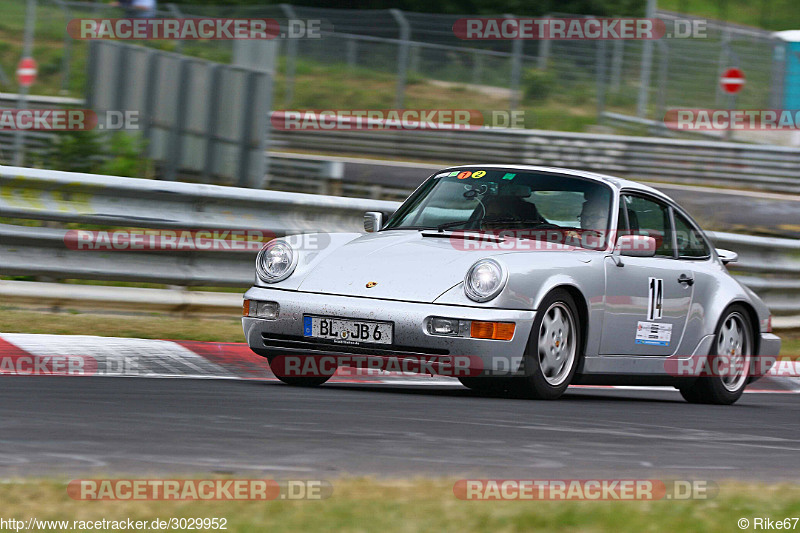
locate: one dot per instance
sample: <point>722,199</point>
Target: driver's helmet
<point>594,213</point>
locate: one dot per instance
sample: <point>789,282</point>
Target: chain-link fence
<point>408,47</point>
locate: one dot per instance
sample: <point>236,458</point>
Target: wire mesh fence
<point>611,74</point>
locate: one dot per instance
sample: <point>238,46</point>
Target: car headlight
<point>485,279</point>
<point>276,261</point>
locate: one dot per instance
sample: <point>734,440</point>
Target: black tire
<point>713,389</point>
<point>298,381</point>
<point>486,384</point>
<point>537,383</point>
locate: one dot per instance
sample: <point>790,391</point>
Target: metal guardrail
<point>52,296</point>
<point>727,164</point>
<point>770,266</point>
<point>109,201</point>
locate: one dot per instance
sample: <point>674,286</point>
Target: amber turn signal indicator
<point>501,331</point>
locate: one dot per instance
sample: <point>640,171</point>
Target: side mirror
<point>373,221</point>
<point>636,246</point>
<point>726,256</point>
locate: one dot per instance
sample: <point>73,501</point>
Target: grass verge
<point>420,505</point>
<point>154,326</point>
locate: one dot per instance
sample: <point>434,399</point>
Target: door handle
<point>688,280</point>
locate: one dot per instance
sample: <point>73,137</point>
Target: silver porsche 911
<point>515,278</point>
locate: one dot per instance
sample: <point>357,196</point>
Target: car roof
<point>613,181</point>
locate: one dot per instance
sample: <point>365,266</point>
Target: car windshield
<point>537,205</point>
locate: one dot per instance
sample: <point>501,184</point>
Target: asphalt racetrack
<point>80,426</point>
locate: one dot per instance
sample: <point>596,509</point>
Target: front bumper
<point>284,335</point>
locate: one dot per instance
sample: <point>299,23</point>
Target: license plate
<point>347,331</point>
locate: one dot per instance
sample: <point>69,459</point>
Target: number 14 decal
<point>655,300</point>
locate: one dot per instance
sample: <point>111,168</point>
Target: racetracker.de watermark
<point>67,120</point>
<point>167,240</point>
<point>583,489</point>
<point>357,365</point>
<point>568,29</point>
<point>377,119</point>
<point>395,119</point>
<point>547,240</point>
<point>729,366</point>
<point>732,119</point>
<point>138,29</point>
<point>198,489</point>
<point>70,365</point>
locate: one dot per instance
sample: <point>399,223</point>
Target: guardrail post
<point>516,69</point>
<point>646,66</point>
<point>291,59</point>
<point>402,57</point>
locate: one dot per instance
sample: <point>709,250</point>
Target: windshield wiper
<point>511,219</point>
<point>446,225</point>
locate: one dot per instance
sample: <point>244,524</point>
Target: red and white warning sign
<point>732,80</point>
<point>26,71</point>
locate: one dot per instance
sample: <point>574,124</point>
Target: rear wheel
<point>733,341</point>
<point>554,348</point>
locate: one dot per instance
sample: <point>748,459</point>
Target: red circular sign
<point>26,71</point>
<point>732,80</point>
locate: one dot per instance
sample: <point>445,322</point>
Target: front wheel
<point>733,341</point>
<point>554,348</point>
<point>278,366</point>
<point>486,384</point>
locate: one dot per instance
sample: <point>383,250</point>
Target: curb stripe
<point>131,357</point>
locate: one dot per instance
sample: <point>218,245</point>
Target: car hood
<point>399,265</point>
<point>403,265</point>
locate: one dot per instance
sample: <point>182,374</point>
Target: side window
<point>651,218</point>
<point>690,242</point>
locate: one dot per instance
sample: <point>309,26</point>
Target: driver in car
<point>509,211</point>
<point>594,214</point>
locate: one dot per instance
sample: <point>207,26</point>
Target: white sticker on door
<point>653,333</point>
<point>655,298</point>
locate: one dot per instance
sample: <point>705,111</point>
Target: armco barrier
<point>769,266</point>
<point>727,164</point>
